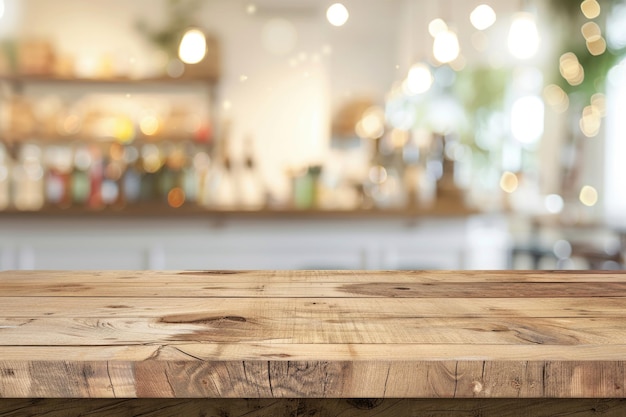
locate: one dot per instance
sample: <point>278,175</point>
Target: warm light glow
<point>591,31</point>
<point>554,203</point>
<point>523,38</point>
<point>372,124</point>
<point>124,129</point>
<point>527,116</point>
<point>446,46</point>
<point>176,197</point>
<point>378,174</point>
<point>436,26</point>
<point>70,125</point>
<point>251,8</point>
<point>149,125</point>
<point>597,46</point>
<point>590,8</point>
<point>598,101</point>
<point>571,69</point>
<point>419,79</point>
<point>556,97</point>
<point>192,47</point>
<point>591,121</point>
<point>337,14</point>
<point>483,17</point>
<point>588,196</point>
<point>508,182</point>
<point>399,138</point>
<point>151,158</point>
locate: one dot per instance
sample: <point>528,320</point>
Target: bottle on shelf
<point>28,179</point>
<point>58,178</point>
<point>220,187</point>
<point>5,175</point>
<point>251,186</point>
<point>131,177</point>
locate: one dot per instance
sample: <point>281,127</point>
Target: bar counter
<point>229,343</point>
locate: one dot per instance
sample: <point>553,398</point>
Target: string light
<point>337,14</point>
<point>590,8</point>
<point>483,17</point>
<point>446,46</point>
<point>192,47</point>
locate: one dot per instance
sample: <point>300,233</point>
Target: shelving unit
<point>42,132</point>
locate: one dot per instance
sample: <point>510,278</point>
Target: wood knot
<point>477,387</point>
<point>365,403</point>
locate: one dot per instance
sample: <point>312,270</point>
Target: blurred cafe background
<point>278,134</point>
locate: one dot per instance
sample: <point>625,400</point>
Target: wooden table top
<point>313,334</point>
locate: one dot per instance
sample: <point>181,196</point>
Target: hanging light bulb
<point>446,46</point>
<point>524,36</point>
<point>483,17</point>
<point>192,47</point>
<point>337,14</point>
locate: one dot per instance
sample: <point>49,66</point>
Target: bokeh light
<point>192,47</point>
<point>337,14</point>
<point>508,182</point>
<point>590,8</point>
<point>483,17</point>
<point>556,98</point>
<point>523,39</point>
<point>446,46</point>
<point>527,119</point>
<point>436,26</point>
<point>176,197</point>
<point>554,203</point>
<point>419,80</point>
<point>588,196</point>
<point>570,69</point>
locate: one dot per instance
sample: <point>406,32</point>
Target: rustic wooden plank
<point>366,289</point>
<point>56,307</point>
<point>362,407</point>
<point>587,380</point>
<point>328,276</point>
<point>312,379</point>
<point>323,334</point>
<point>69,378</point>
<point>325,352</point>
<point>255,326</point>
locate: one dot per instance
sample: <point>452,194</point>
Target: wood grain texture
<point>361,407</point>
<point>313,334</point>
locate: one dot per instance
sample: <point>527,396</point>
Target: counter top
<point>313,334</point>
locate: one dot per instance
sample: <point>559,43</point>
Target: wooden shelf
<point>156,210</point>
<point>44,79</point>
